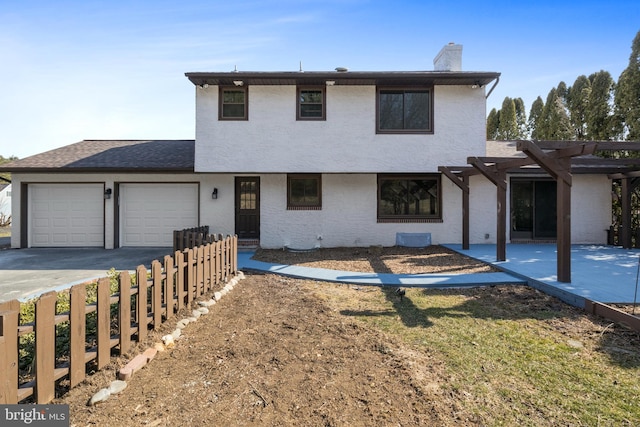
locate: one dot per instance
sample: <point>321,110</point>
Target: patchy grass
<point>512,355</point>
<point>5,231</point>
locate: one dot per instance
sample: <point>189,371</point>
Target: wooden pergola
<point>560,159</point>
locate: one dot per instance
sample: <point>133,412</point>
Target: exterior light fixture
<point>238,82</point>
<point>204,85</point>
<point>330,82</point>
<point>107,193</point>
<point>214,194</point>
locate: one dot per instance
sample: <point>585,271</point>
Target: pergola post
<point>461,179</point>
<point>498,177</point>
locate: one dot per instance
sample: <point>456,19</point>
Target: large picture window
<point>404,111</point>
<point>233,104</point>
<point>311,104</point>
<point>409,198</point>
<point>304,191</point>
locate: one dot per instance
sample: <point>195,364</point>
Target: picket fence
<point>121,318</point>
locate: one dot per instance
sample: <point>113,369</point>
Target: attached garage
<point>66,215</point>
<point>150,212</point>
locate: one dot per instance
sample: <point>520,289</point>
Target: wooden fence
<point>192,237</point>
<point>120,318</point>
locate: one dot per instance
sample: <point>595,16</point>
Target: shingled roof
<point>108,156</point>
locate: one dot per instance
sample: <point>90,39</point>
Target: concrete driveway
<point>25,273</point>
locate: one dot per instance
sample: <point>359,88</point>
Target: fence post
<point>179,259</point>
<point>45,348</point>
<point>234,267</point>
<point>143,320</point>
<point>124,312</point>
<point>78,334</point>
<point>156,294</point>
<point>169,300</point>
<point>9,352</point>
<point>199,270</point>
<point>190,278</point>
<point>104,322</point>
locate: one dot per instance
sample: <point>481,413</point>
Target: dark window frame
<point>405,217</point>
<point>291,205</point>
<point>221,102</point>
<point>404,90</point>
<point>299,103</point>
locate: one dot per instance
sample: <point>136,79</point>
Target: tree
<point>627,96</point>
<point>578,105</point>
<point>492,124</point>
<point>521,118</point>
<point>555,123</point>
<point>5,176</point>
<point>508,126</point>
<point>535,115</point>
<point>599,115</point>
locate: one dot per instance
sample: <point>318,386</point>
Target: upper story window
<point>304,191</point>
<point>409,198</point>
<point>233,103</point>
<point>404,110</point>
<point>311,103</point>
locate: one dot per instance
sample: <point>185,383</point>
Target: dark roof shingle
<point>117,155</point>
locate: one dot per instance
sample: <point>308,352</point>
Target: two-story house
<point>286,159</point>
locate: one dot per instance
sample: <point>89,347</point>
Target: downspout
<point>492,87</point>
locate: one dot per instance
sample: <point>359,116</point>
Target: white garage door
<point>150,212</point>
<point>62,215</point>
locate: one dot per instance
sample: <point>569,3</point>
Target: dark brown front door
<point>248,207</point>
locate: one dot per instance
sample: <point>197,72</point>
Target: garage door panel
<point>149,213</point>
<point>66,215</point>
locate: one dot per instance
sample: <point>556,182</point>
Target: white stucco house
<point>299,160</point>
<point>5,201</point>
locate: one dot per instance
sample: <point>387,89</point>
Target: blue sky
<point>73,70</point>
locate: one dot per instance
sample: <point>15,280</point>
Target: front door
<point>248,207</point>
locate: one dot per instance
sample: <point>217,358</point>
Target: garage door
<point>62,215</point>
<point>150,212</point>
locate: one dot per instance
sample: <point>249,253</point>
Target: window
<point>304,191</point>
<point>233,104</point>
<point>311,104</point>
<point>404,111</point>
<point>409,198</point>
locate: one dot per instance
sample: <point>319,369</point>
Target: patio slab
<point>606,274</point>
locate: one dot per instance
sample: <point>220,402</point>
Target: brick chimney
<point>449,58</point>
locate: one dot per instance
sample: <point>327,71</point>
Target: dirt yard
<point>275,352</point>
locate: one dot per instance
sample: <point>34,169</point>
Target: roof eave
<point>344,78</point>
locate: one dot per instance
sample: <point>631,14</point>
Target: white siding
<point>273,141</point>
<point>348,215</point>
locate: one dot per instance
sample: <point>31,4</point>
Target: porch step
<point>248,244</point>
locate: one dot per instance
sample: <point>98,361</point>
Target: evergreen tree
<point>508,126</point>
<point>578,105</point>
<point>492,124</point>
<point>535,115</point>
<point>627,96</point>
<point>599,115</point>
<point>555,123</point>
<point>521,118</point>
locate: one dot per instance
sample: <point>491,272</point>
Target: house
<point>299,160</point>
<point>5,203</point>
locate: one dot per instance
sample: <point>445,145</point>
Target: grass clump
<point>512,355</point>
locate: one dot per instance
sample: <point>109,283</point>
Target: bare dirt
<point>274,352</point>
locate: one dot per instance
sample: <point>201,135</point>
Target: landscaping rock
<point>100,396</point>
<point>117,386</point>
